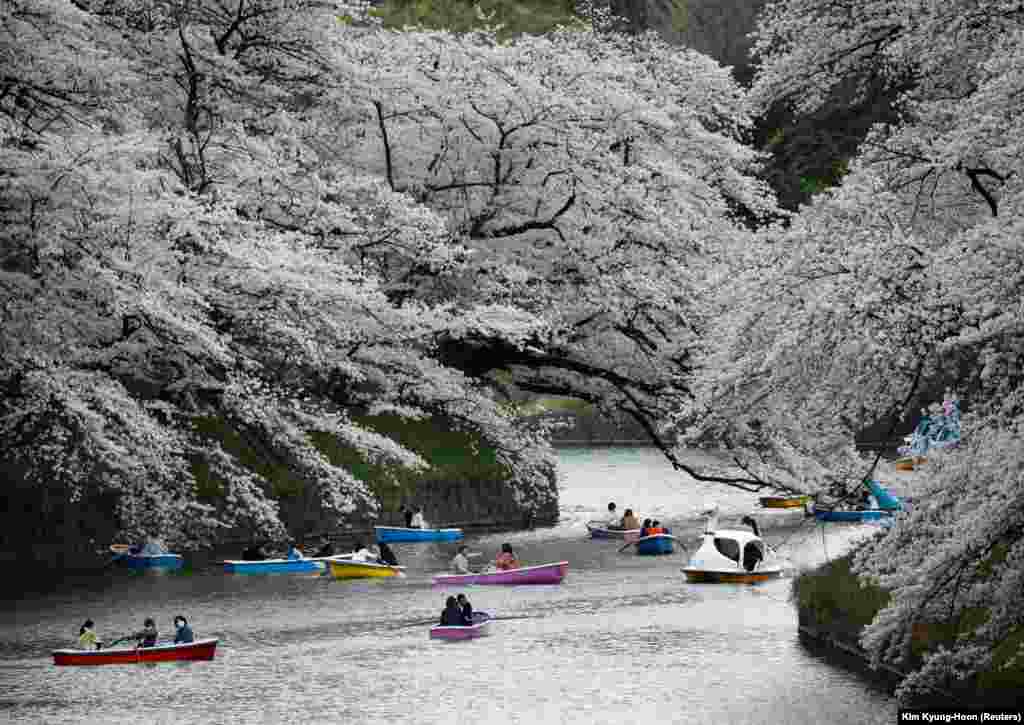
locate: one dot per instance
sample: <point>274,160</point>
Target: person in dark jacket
<point>407,513</point>
<point>326,548</point>
<point>182,632</point>
<point>148,636</point>
<point>386,555</point>
<point>467,609</point>
<point>452,614</point>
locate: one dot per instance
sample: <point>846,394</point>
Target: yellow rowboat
<point>785,502</point>
<point>348,569</point>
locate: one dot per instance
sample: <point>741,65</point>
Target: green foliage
<point>454,455</point>
<point>836,597</point>
<point>515,18</point>
<point>249,454</point>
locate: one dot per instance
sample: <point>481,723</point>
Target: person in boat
<point>148,636</point>
<point>614,522</point>
<point>506,558</point>
<point>417,521</point>
<point>645,529</point>
<point>182,632</point>
<point>386,555</point>
<point>407,514</point>
<point>655,528</point>
<point>452,614</point>
<point>466,608</point>
<point>711,523</point>
<point>153,547</point>
<point>363,553</point>
<point>294,552</point>
<point>460,562</point>
<point>87,638</point>
<point>326,547</point>
<point>630,521</point>
<point>254,553</point>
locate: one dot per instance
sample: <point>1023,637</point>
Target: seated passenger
<point>362,553</point>
<point>385,555</point>
<point>254,553</point>
<point>87,638</point>
<point>460,563</point>
<point>293,552</point>
<point>148,636</point>
<point>418,522</point>
<point>326,548</point>
<point>153,547</point>
<point>655,529</point>
<point>466,608</point>
<point>614,523</point>
<point>646,528</point>
<point>630,521</point>
<point>452,614</point>
<point>182,632</point>
<point>505,558</point>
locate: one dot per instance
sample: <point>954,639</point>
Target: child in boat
<point>630,521</point>
<point>506,559</point>
<point>148,636</point>
<point>452,614</point>
<point>467,609</point>
<point>460,563</point>
<point>182,632</point>
<point>613,519</point>
<point>87,638</point>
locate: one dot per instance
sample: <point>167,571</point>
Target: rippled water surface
<point>623,638</point>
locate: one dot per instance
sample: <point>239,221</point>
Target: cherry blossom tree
<point>907,272</point>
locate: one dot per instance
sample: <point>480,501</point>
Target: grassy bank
<point>832,603</point>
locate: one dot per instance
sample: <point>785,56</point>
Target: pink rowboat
<point>201,649</point>
<point>479,628</point>
<point>540,574</point>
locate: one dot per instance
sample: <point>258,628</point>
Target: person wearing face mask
<point>182,632</point>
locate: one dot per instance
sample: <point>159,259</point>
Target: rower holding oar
<point>87,638</point>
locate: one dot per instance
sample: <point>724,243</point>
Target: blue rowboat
<point>275,566</point>
<point>158,561</point>
<point>853,516</point>
<point>655,544</point>
<point>398,534</point>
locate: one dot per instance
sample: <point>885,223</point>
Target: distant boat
<point>655,544</point>
<point>732,557</point>
<point>853,516</point>
<point>887,506</point>
<point>275,566</point>
<point>784,502</point>
<point>598,530</point>
<point>541,574</point>
<point>908,464</point>
<point>399,534</point>
<point>479,628</point>
<point>131,557</point>
<point>341,568</point>
<point>201,649</point>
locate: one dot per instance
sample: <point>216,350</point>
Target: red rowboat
<point>201,649</point>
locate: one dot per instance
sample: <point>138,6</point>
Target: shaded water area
<point>622,638</point>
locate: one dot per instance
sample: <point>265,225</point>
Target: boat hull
<point>784,502</point>
<point>202,649</point>
<point>541,574</point>
<point>398,535</point>
<point>655,545</point>
<point>704,576</point>
<point>275,566</point>
<point>853,516</point>
<point>599,532</point>
<point>361,570</point>
<point>161,561</point>
<point>480,628</point>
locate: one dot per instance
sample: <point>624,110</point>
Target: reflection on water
<point>622,638</point>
